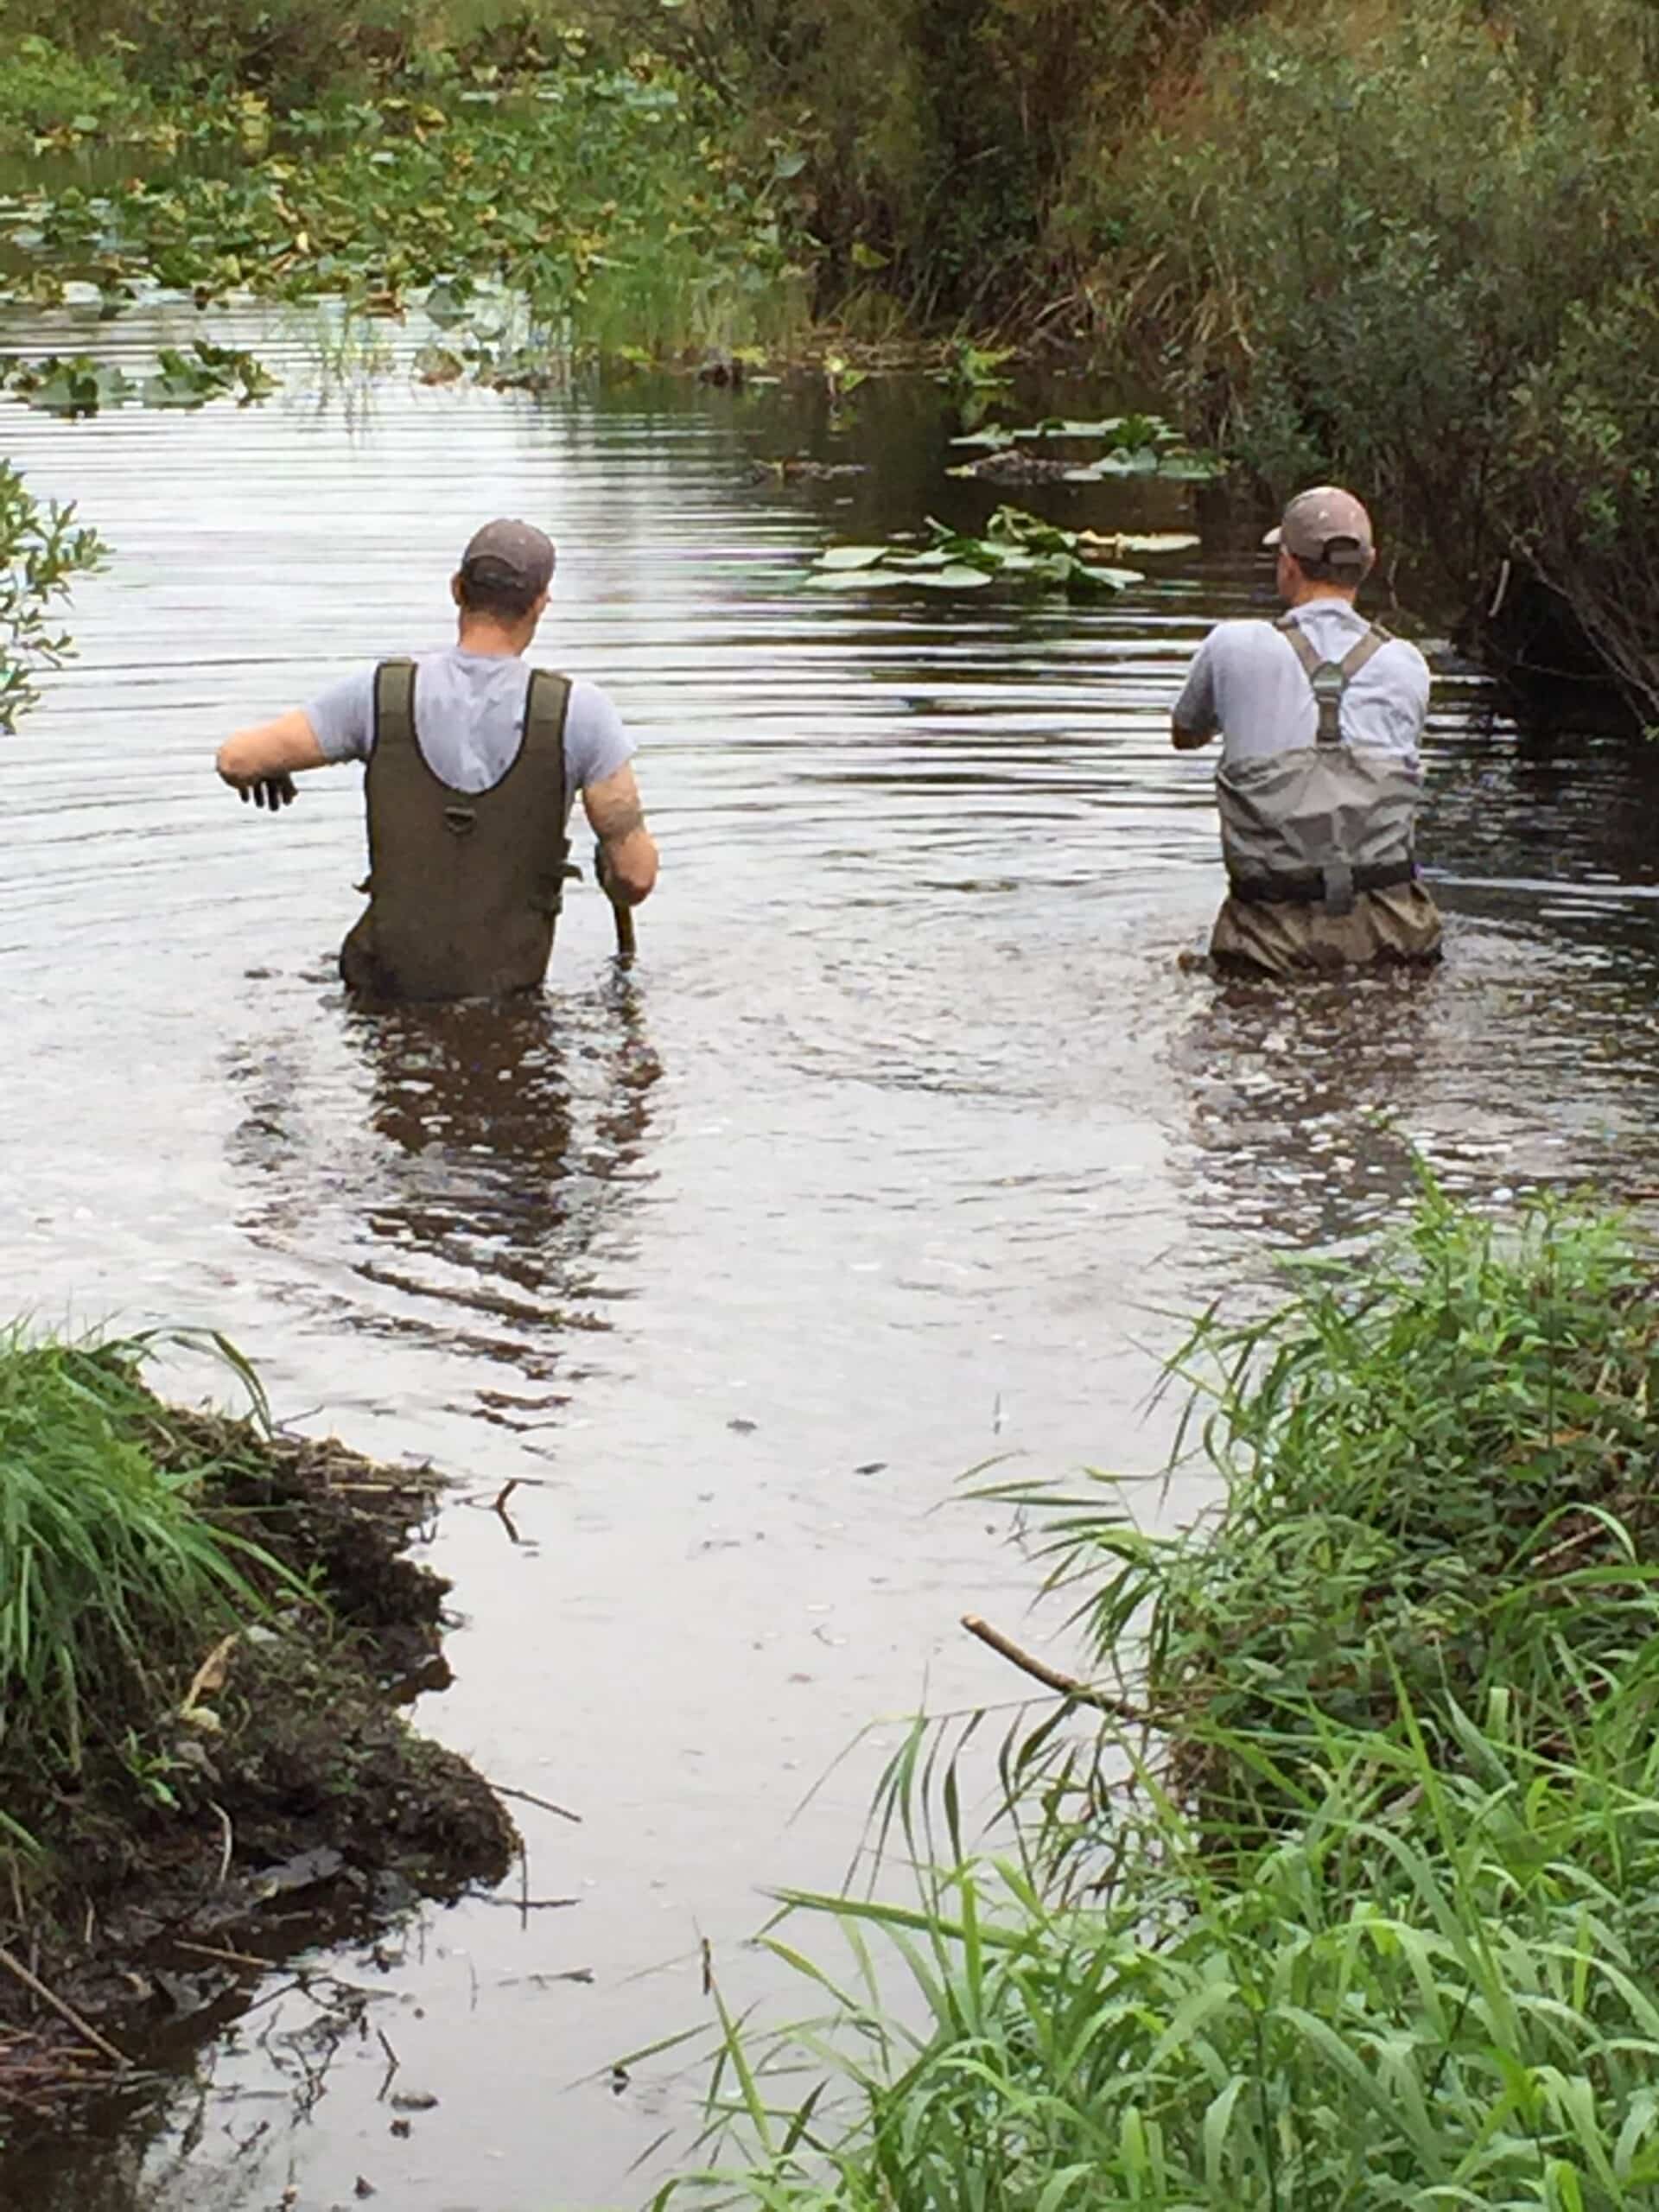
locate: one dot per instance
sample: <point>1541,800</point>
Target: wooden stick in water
<point>16,1968</point>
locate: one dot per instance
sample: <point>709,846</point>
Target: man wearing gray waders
<point>473,759</point>
<point>1320,715</point>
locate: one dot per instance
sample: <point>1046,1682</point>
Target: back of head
<point>505,570</point>
<point>1328,534</point>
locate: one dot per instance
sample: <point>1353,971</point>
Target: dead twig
<point>527,1797</point>
<point>227,1841</point>
<point>245,1959</point>
<point>38,1988</point>
<point>1051,1678</point>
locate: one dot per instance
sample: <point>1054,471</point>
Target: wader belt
<point>1310,887</point>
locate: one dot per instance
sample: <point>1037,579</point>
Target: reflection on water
<point>897,1150</point>
<point>495,1145</point>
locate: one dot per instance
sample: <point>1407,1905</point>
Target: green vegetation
<point>1017,548</point>
<point>111,1573</point>
<point>45,91</point>
<point>1409,246</point>
<point>1135,445</point>
<point>41,549</point>
<point>1345,1901</point>
<point>596,194</point>
<point>82,385</point>
<point>1394,242</point>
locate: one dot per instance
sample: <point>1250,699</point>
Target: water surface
<point>897,1151</point>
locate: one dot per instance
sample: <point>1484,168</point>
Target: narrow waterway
<point>897,1152</point>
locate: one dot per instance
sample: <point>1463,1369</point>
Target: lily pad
<point>852,556</point>
<point>1155,541</point>
<point>1017,548</point>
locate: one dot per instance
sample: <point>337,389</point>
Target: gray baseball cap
<point>1326,524</point>
<point>507,556</point>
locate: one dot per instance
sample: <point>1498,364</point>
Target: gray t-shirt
<point>469,721</point>
<point>1247,683</point>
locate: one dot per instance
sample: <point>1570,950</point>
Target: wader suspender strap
<point>547,703</point>
<point>394,702</point>
<point>1330,679</point>
<point>394,725</point>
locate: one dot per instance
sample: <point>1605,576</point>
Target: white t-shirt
<point>1247,683</point>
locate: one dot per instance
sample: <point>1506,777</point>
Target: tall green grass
<point>1371,1919</point>
<point>112,1575</point>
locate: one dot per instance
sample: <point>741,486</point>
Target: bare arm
<point>260,762</point>
<point>1188,741</point>
<point>627,849</point>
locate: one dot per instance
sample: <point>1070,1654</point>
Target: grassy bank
<point>200,1620</point>
<point>1361,1915</point>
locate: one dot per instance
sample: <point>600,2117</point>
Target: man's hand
<point>273,791</point>
<point>260,763</point>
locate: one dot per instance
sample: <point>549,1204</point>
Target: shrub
<point>42,89</point>
<point>41,549</point>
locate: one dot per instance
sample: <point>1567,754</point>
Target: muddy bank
<point>269,1789</point>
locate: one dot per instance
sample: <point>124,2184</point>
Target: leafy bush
<point>41,549</point>
<point>1410,247</point>
<point>932,136</point>
<point>44,88</point>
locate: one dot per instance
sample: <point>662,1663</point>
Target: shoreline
<point>240,1805</point>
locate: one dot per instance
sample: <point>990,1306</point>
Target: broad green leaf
<point>852,556</point>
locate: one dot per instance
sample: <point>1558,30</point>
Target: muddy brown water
<point>896,1153</point>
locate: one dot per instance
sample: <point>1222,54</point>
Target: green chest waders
<point>464,886</point>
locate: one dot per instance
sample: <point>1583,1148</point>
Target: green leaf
<point>852,556</point>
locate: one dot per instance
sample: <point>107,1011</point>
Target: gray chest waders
<point>464,886</point>
<point>1319,823</point>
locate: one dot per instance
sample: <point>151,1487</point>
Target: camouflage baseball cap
<point>511,556</point>
<point>1328,525</point>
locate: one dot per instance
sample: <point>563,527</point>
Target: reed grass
<point>112,1576</point>
<point>1368,1920</point>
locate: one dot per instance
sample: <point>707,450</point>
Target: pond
<point>900,1150</point>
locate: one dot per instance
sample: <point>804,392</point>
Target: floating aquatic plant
<point>1135,445</point>
<point>1017,548</point>
<point>81,385</point>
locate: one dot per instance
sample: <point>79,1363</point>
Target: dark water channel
<point>892,1154</point>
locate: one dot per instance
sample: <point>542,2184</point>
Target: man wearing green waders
<point>1320,716</point>
<point>473,760</point>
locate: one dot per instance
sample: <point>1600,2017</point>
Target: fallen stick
<point>525,1798</point>
<point>1051,1678</point>
<point>245,1959</point>
<point>64,2012</point>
